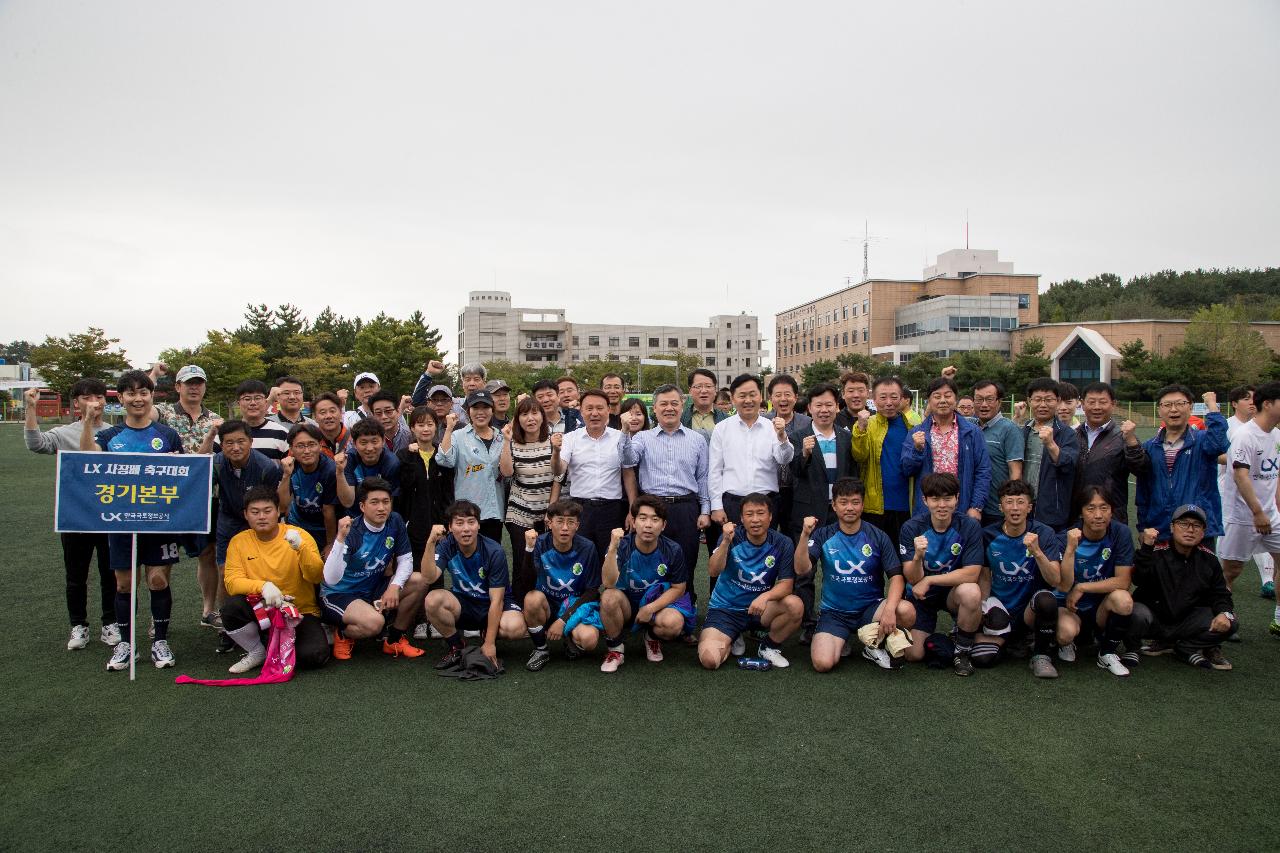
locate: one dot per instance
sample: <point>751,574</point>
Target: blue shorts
<point>731,623</point>
<point>474,615</point>
<point>334,604</point>
<point>841,624</point>
<point>194,543</point>
<point>154,549</point>
<point>927,608</point>
<point>225,531</point>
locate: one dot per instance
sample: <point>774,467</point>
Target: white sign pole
<point>133,606</point>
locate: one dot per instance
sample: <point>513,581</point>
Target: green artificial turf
<point>380,754</point>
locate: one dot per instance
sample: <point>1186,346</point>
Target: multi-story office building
<point>491,329</point>
<point>968,300</point>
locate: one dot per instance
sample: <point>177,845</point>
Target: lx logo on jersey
<point>752,578</point>
<point>474,590</point>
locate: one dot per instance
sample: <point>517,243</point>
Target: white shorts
<point>1239,542</point>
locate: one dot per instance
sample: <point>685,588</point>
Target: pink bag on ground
<point>281,657</point>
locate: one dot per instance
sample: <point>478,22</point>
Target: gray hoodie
<point>65,437</point>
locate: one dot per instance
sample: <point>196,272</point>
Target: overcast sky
<point>164,163</point>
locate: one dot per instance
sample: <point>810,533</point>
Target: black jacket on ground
<point>1172,585</point>
<point>1108,464</point>
<point>425,493</point>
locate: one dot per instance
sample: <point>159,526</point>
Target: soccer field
<point>375,753</point>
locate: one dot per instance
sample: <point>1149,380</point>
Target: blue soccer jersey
<point>153,438</point>
<point>474,576</point>
<point>1096,560</point>
<point>387,467</point>
<point>854,566</point>
<point>752,569</point>
<point>1015,576</point>
<point>312,493</point>
<point>370,555</point>
<point>637,571</point>
<point>566,574</point>
<point>958,546</point>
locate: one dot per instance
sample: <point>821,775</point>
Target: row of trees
<point>1029,363</point>
<point>1162,295</point>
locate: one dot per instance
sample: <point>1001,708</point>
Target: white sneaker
<point>110,634</point>
<point>848,647</point>
<point>120,657</point>
<point>79,637</point>
<point>251,660</point>
<point>161,654</point>
<point>774,657</point>
<point>435,634</point>
<point>739,647</point>
<point>612,660</point>
<point>1067,653</point>
<point>879,657</point>
<point>422,631</point>
<point>652,650</point>
<point>1111,663</point>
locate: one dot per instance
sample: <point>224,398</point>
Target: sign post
<point>125,494</point>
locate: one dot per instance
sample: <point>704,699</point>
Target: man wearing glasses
<point>287,396</point>
<point>1004,441</point>
<point>1182,465</point>
<point>1049,457</point>
<point>269,438</point>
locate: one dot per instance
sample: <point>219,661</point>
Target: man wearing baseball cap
<point>197,426</point>
<point>1181,602</point>
<point>366,385</point>
<point>473,452</point>
<point>501,393</point>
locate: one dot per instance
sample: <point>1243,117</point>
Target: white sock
<point>247,637</point>
<point>1266,567</point>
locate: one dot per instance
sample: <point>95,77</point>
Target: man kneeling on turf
<point>1180,597</point>
<point>1021,570</point>
<point>754,567</point>
<point>370,568</point>
<point>568,577</point>
<point>943,554</point>
<point>1097,564</point>
<point>856,557</point>
<point>636,567</point>
<point>481,595</point>
<point>277,562</point>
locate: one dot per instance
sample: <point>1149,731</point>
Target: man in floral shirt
<point>947,444</point>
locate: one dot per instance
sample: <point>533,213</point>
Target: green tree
<point>340,330</point>
<point>819,371</point>
<point>307,357</point>
<point>1030,363</point>
<point>978,365</point>
<point>395,350</point>
<point>271,329</point>
<point>920,371</point>
<point>858,363</point>
<point>1223,332</point>
<point>62,361</point>
<point>17,351</point>
<point>227,362</point>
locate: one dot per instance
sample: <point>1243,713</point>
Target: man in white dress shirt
<point>593,459</point>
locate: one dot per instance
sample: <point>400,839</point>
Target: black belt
<point>678,499</point>
<point>770,495</point>
<point>598,501</point>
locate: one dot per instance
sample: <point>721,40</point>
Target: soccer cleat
<point>120,657</point>
<point>774,656</point>
<point>1268,590</point>
<point>1129,659</point>
<point>961,665</point>
<point>342,647</point>
<point>537,660</point>
<point>251,660</point>
<point>110,634</point>
<point>612,660</point>
<point>402,648</point>
<point>211,620</point>
<point>451,658</point>
<point>422,631</point>
<point>79,637</point>
<point>739,647</point>
<point>879,657</point>
<point>1111,663</point>
<point>1274,629</point>
<point>1067,653</point>
<point>572,651</point>
<point>1042,667</point>
<point>652,649</point>
<point>1155,648</point>
<point>161,654</point>
<point>1216,659</point>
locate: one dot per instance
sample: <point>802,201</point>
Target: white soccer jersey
<point>1259,451</point>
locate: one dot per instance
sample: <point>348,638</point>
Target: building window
<point>728,362</point>
<point>593,340</point>
<point>633,342</point>
<point>653,343</point>
<point>577,358</point>
<point>711,344</point>
<point>746,344</point>
<point>593,358</point>
<point>866,307</point>
<point>748,325</point>
<point>615,342</point>
<point>728,325</point>
<point>1079,365</point>
<point>1024,300</point>
<point>575,342</point>
<point>865,332</point>
<point>727,379</point>
<point>691,343</point>
<point>846,339</point>
<point>711,361</point>
<point>673,343</point>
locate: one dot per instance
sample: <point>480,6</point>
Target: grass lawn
<point>376,753</point>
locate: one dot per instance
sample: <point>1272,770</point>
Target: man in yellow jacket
<point>275,562</point>
<point>877,450</point>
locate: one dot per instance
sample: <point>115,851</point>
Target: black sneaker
<point>1197,659</point>
<point>225,644</point>
<point>537,660</point>
<point>1155,648</point>
<point>1216,659</point>
<point>451,658</point>
<point>1130,659</point>
<point>572,651</point>
<point>962,665</point>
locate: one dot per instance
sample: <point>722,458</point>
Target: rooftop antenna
<point>966,229</point>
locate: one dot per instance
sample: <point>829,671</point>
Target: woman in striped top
<point>526,458</point>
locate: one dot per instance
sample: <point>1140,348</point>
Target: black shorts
<point>154,549</point>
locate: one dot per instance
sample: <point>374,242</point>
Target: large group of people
<point>836,515</point>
